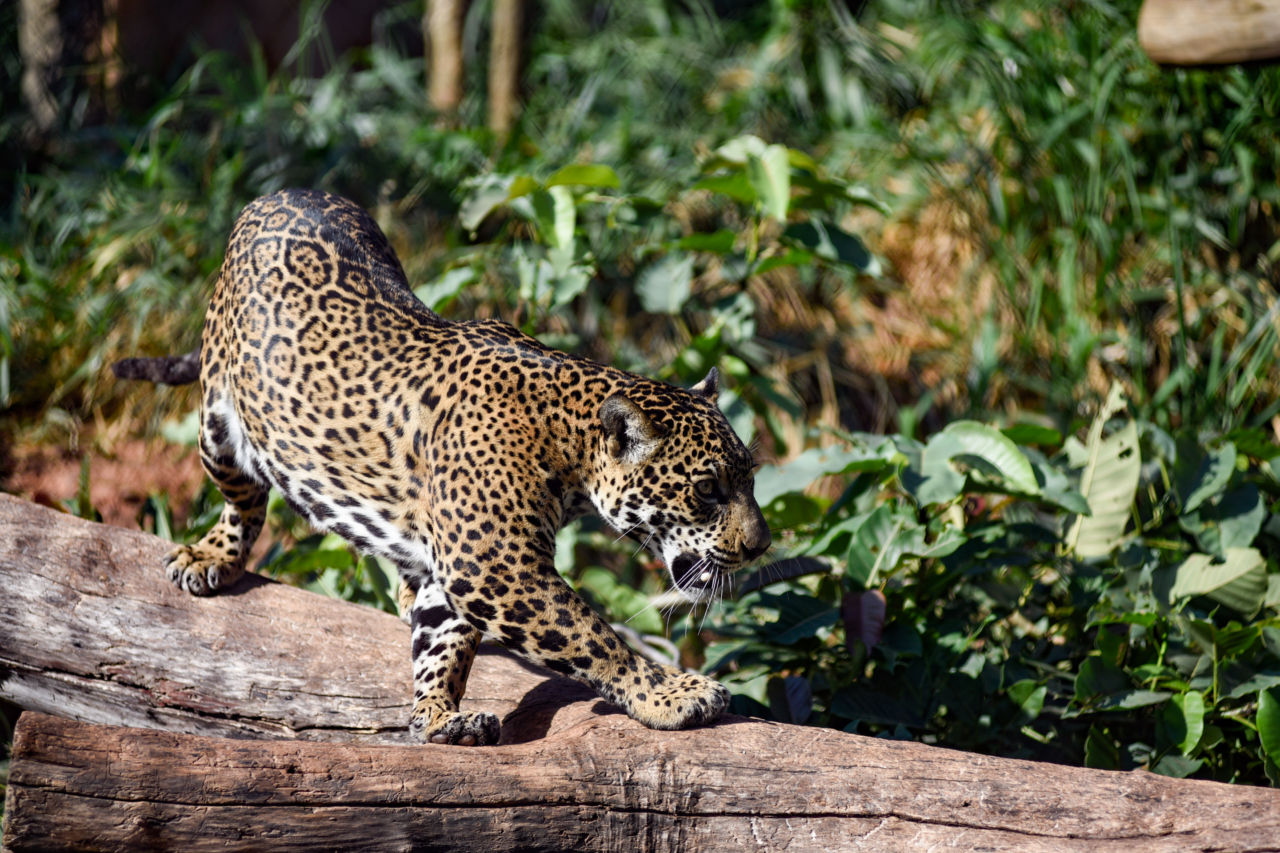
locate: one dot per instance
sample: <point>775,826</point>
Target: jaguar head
<point>672,473</point>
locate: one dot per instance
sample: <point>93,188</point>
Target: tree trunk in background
<point>442,36</point>
<point>504,65</point>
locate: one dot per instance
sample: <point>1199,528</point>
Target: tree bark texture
<point>1209,32</point>
<point>272,718</point>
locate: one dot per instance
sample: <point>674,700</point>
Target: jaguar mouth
<point>693,574</point>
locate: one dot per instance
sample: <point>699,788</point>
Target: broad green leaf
<point>1109,483</point>
<point>736,186</point>
<point>737,151</point>
<point>801,472</point>
<point>1097,678</point>
<point>1182,721</point>
<point>1029,696</point>
<point>1199,476</point>
<point>568,284</point>
<point>791,258</point>
<point>770,176</point>
<point>487,193</point>
<point>975,446</point>
<point>1230,521</point>
<point>435,294</point>
<point>1056,488</point>
<point>1177,766</point>
<point>664,285</point>
<point>555,215</point>
<point>1272,599</point>
<point>876,545</point>
<point>585,175</point>
<point>1127,700</point>
<point>833,243</point>
<point>1268,722</point>
<point>522,186</point>
<point>800,616</point>
<point>1238,579</point>
<point>720,242</point>
<point>1100,750</point>
<point>1028,433</point>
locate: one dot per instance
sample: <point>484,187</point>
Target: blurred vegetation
<point>997,294</point>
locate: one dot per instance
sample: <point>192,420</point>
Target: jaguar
<point>455,450</point>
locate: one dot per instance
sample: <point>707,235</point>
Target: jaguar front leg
<point>444,646</point>
<point>547,622</point>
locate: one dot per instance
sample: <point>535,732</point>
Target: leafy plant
<point>1106,605</point>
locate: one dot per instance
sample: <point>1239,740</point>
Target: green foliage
<point>1151,639</point>
<point>1096,171</point>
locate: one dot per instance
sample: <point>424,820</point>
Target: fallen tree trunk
<point>1209,32</point>
<point>89,628</point>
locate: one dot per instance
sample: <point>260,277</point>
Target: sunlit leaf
<point>487,193</point>
<point>1238,579</point>
<point>968,445</point>
<point>1109,483</point>
<point>770,176</point>
<point>555,215</point>
<point>1028,433</point>
<point>1029,696</point>
<point>1182,721</point>
<point>664,285</point>
<point>585,175</point>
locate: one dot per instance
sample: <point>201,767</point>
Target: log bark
<point>1209,32</point>
<point>271,717</point>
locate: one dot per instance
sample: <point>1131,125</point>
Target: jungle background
<point>994,295</point>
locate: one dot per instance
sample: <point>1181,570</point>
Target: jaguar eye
<point>709,490</point>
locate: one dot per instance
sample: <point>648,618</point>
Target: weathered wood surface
<point>90,629</point>
<point>1209,32</point>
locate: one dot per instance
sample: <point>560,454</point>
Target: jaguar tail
<point>165,369</point>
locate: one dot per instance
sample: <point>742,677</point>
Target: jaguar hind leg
<point>217,561</point>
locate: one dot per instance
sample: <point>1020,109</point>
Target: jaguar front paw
<point>201,571</point>
<point>678,700</point>
<point>455,727</point>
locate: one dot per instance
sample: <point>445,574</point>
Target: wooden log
<point>602,783</point>
<point>1209,32</point>
<point>316,695</point>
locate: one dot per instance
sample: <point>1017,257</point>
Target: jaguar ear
<point>630,435</point>
<point>709,387</point>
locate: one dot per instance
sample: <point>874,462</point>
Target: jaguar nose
<point>756,543</point>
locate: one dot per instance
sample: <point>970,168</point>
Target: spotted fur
<point>456,451</point>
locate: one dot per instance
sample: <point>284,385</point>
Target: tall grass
<point>1123,215</point>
